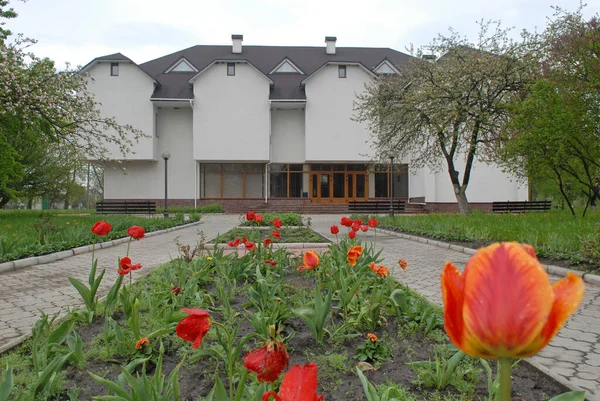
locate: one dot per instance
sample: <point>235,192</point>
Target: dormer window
<point>341,71</point>
<point>230,69</point>
<point>114,69</point>
<point>182,66</point>
<point>286,67</point>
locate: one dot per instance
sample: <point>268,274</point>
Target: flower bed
<point>32,234</point>
<point>260,325</point>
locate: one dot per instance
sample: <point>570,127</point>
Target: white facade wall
<point>487,184</point>
<point>331,134</point>
<point>231,115</point>
<point>145,179</point>
<point>127,98</point>
<point>287,136</point>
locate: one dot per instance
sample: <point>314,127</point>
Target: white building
<point>250,126</point>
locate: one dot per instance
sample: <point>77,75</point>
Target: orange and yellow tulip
<point>503,305</point>
<point>310,260</point>
<point>353,254</point>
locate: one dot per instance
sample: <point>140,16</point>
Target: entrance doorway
<point>338,183</point>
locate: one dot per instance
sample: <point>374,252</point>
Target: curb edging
<point>551,269</point>
<point>16,265</point>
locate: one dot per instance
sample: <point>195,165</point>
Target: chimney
<point>330,40</point>
<point>237,43</point>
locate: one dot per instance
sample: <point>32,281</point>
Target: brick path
<point>573,355</point>
<point>26,292</point>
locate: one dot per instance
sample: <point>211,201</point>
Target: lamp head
<point>166,155</point>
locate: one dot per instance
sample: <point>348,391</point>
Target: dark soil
<point>197,378</point>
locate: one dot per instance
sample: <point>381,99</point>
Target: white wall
<point>487,184</point>
<point>331,134</point>
<point>127,98</point>
<point>145,179</point>
<point>231,114</point>
<point>287,136</point>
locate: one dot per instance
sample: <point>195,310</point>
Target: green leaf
<point>60,333</point>
<point>368,387</point>
<point>82,290</point>
<point>219,389</point>
<point>114,387</point>
<point>7,385</point>
<point>47,375</point>
<point>570,396</point>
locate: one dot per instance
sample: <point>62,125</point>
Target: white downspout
<point>196,185</point>
<point>269,162</point>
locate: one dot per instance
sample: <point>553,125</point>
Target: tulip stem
<point>505,381</point>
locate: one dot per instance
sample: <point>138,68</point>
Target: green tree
<point>451,109</point>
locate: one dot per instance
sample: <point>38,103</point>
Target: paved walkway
<point>26,292</point>
<point>574,354</point>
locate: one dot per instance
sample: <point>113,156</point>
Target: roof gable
<point>182,65</point>
<point>286,66</point>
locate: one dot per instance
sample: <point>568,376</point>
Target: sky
<point>77,31</point>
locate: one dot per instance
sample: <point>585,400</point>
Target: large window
<point>232,180</point>
<point>286,181</point>
<point>382,181</point>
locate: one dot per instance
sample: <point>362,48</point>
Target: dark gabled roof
<point>264,58</point>
<point>115,57</point>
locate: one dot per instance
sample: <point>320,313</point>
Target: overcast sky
<point>77,31</point>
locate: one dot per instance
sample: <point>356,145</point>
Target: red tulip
<point>346,222</point>
<point>243,240</point>
<point>231,244</point>
<point>267,362</point>
<point>136,232</point>
<point>310,260</point>
<point>364,228</point>
<point>176,290</point>
<point>250,216</point>
<point>267,242</point>
<point>503,304</point>
<point>127,267</point>
<point>277,223</point>
<point>355,227</point>
<point>299,384</point>
<point>334,229</point>
<point>236,242</point>
<point>194,327</point>
<point>101,228</point>
<point>258,218</point>
<point>373,223</point>
<point>353,254</point>
<point>250,245</point>
<point>276,234</point>
<point>271,262</point>
<point>352,234</point>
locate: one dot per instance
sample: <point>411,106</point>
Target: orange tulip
<point>353,254</point>
<point>310,261</point>
<point>503,305</point>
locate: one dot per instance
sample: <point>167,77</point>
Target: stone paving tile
<point>27,292</point>
<point>574,354</point>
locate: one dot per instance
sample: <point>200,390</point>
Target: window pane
<point>230,69</point>
<point>254,185</point>
<point>339,167</point>
<point>342,71</point>
<point>325,184</point>
<point>296,185</point>
<point>254,167</point>
<point>278,167</point>
<point>381,185</point>
<point>361,186</point>
<point>356,167</point>
<point>320,167</point>
<point>211,185</point>
<point>232,185</point>
<point>233,167</point>
<point>211,167</point>
<point>114,69</point>
<point>401,184</point>
<point>296,167</point>
<point>315,185</point>
<point>339,187</point>
<point>382,167</point>
<point>278,185</point>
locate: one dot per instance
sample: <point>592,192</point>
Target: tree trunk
<point>461,198</point>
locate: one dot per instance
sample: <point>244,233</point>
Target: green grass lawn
<point>554,234</point>
<point>31,233</point>
<point>288,235</point>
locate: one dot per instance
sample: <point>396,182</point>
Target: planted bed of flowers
<point>259,323</point>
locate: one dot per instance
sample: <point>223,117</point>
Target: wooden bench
<point>125,207</point>
<point>375,206</point>
<point>521,207</point>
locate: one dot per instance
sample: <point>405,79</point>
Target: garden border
<point>551,269</point>
<point>18,264</point>
<point>296,245</point>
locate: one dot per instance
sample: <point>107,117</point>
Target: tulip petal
<point>300,383</point>
<point>452,292</point>
<point>507,300</point>
<point>568,293</point>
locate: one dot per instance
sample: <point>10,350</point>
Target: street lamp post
<point>165,156</point>
<point>391,156</point>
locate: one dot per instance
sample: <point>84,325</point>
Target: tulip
<point>346,222</point>
<point>299,384</point>
<point>352,234</point>
<point>250,245</point>
<point>267,242</point>
<point>310,261</point>
<point>250,216</point>
<point>402,263</point>
<point>136,232</point>
<point>276,234</point>
<point>101,228</point>
<point>268,362</point>
<point>258,218</point>
<point>141,343</point>
<point>334,229</point>
<point>364,228</point>
<point>194,327</point>
<point>353,254</point>
<point>277,223</point>
<point>504,307</point>
<point>373,223</point>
